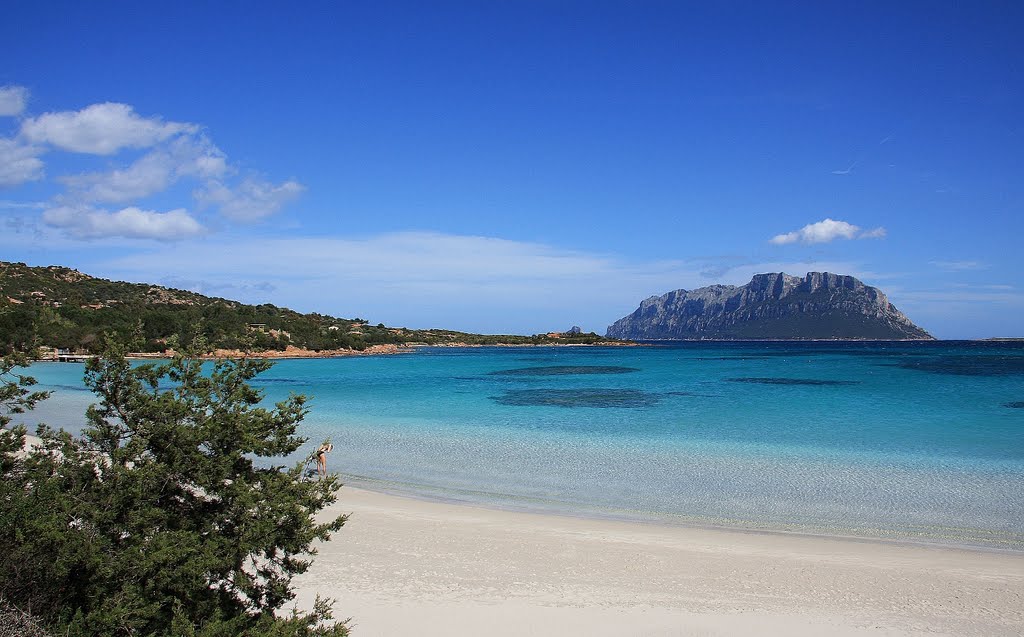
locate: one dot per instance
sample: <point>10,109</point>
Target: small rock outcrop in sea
<point>821,305</point>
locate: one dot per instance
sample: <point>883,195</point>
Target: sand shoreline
<point>408,565</point>
<point>405,565</point>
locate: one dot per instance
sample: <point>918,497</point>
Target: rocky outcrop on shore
<point>298,352</point>
<point>288,352</point>
<point>820,305</point>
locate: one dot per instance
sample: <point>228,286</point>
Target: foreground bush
<point>157,520</point>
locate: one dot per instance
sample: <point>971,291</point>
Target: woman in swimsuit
<point>321,459</point>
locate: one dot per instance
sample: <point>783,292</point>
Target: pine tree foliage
<point>166,516</point>
<point>15,395</point>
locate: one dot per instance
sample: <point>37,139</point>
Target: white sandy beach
<point>403,566</point>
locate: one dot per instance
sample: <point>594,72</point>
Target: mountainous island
<point>775,306</point>
<point>58,308</point>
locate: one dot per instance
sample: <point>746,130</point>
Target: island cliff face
<point>821,305</point>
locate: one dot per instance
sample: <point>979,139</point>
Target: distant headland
<point>819,306</point>
<point>63,312</point>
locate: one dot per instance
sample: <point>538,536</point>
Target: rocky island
<point>775,306</point>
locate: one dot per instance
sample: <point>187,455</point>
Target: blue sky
<point>520,166</point>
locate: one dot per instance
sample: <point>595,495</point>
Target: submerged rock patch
<point>791,381</point>
<point>692,394</point>
<point>968,365</point>
<point>602,398</point>
<point>71,387</point>
<point>733,358</point>
<point>564,370</point>
<point>1017,404</point>
<point>280,381</point>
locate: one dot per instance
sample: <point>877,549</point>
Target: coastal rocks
<point>821,305</point>
<point>297,352</point>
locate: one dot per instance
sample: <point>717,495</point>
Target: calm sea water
<point>910,441</point>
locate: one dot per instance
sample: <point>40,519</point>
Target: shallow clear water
<point>914,441</point>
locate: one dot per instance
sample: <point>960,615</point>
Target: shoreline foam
<point>500,502</point>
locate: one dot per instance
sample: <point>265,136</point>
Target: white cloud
<point>19,163</point>
<point>825,231</point>
<point>184,156</point>
<point>6,204</point>
<point>130,223</point>
<point>101,129</point>
<point>959,266</point>
<point>426,279</point>
<point>12,100</point>
<point>955,296</point>
<point>148,175</point>
<point>420,279</point>
<point>846,171</point>
<point>251,200</point>
<point>199,158</point>
<point>174,151</point>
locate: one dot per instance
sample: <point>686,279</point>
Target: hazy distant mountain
<point>772,306</point>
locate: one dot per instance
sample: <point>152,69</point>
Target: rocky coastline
<point>289,352</point>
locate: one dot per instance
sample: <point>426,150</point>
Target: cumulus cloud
<point>251,200</point>
<point>825,231</point>
<point>101,129</point>
<point>171,152</point>
<point>199,158</point>
<point>148,175</point>
<point>131,223</point>
<point>19,163</point>
<point>185,156</point>
<point>12,100</point>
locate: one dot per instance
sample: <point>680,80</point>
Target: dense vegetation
<point>62,308</point>
<point>160,519</point>
<point>157,520</point>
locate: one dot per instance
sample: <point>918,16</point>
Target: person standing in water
<point>321,459</point>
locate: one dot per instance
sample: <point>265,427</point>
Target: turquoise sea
<point>907,441</point>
